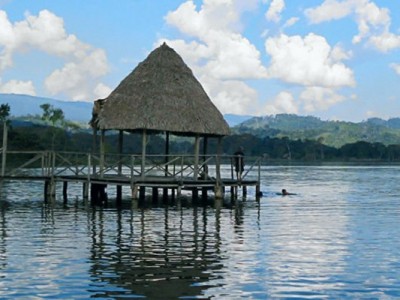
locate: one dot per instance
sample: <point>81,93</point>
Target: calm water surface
<point>338,238</point>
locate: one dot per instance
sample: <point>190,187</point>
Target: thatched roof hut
<point>161,95</point>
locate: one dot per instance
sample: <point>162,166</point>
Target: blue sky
<point>335,59</point>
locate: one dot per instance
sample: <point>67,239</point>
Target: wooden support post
<point>179,192</point>
<point>94,147</point>
<point>142,193</point>
<point>102,150</point>
<point>65,192</point>
<point>135,190</point>
<point>120,147</point>
<point>98,193</point>
<point>244,191</point>
<point>155,194</point>
<point>144,142</point>
<point>195,194</point>
<point>52,189</point>
<point>4,152</point>
<point>49,190</point>
<point>258,192</point>
<point>165,195</point>
<point>46,191</point>
<point>204,194</point>
<point>172,195</point>
<point>166,153</point>
<point>218,185</point>
<point>205,147</point>
<point>196,157</point>
<point>85,190</point>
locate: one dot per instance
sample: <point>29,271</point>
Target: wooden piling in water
<point>155,194</point>
<point>98,193</point>
<point>142,193</point>
<point>65,192</point>
<point>204,194</point>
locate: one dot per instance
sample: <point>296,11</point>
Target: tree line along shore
<point>50,131</point>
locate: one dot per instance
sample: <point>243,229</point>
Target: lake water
<point>338,238</point>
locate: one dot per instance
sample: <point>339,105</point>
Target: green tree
<point>53,117</point>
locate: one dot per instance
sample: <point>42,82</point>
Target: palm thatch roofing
<point>161,94</point>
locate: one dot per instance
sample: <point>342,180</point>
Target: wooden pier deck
<point>175,173</point>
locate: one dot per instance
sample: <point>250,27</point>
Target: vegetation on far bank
<point>52,131</point>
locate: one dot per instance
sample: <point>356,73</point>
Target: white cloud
<point>76,79</point>
<point>319,98</point>
<point>102,91</point>
<point>84,64</point>
<point>283,103</point>
<point>275,9</point>
<point>373,21</point>
<point>386,41</point>
<point>231,96</point>
<point>291,22</point>
<point>229,54</point>
<point>18,87</point>
<point>396,68</point>
<point>329,10</point>
<point>308,61</point>
<point>217,51</point>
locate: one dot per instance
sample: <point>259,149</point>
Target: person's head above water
<point>284,192</point>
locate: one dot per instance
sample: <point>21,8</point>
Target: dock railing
<point>179,167</point>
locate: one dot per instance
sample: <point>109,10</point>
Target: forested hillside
<point>330,133</point>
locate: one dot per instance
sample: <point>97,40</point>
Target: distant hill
<point>23,105</point>
<point>331,133</point>
<point>234,120</point>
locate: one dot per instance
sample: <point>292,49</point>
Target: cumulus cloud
<point>217,51</point>
<point>329,10</point>
<point>283,103</point>
<point>84,64</point>
<point>308,61</point>
<point>18,87</point>
<point>319,98</point>
<point>231,96</point>
<point>291,22</point>
<point>386,41</point>
<point>275,9</point>
<point>102,91</point>
<point>396,68</point>
<point>373,21</point>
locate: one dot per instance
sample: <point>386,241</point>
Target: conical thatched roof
<point>161,94</point>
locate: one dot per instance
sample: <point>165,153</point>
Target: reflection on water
<point>337,238</point>
<point>148,252</point>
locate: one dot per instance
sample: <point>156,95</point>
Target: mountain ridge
<point>331,133</point>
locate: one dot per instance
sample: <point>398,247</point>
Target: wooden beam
<point>120,147</point>
<point>144,142</point>
<point>102,150</point>
<point>196,157</point>
<point>4,152</point>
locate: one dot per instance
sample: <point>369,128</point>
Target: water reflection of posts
<point>3,237</point>
<point>179,250</point>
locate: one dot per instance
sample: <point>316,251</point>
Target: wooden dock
<point>166,175</point>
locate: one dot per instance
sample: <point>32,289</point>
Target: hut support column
<point>120,146</point>
<point>65,192</point>
<point>218,186</point>
<point>196,157</point>
<point>4,153</point>
<point>94,147</point>
<point>165,190</point>
<point>102,150</point>
<point>144,142</point>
